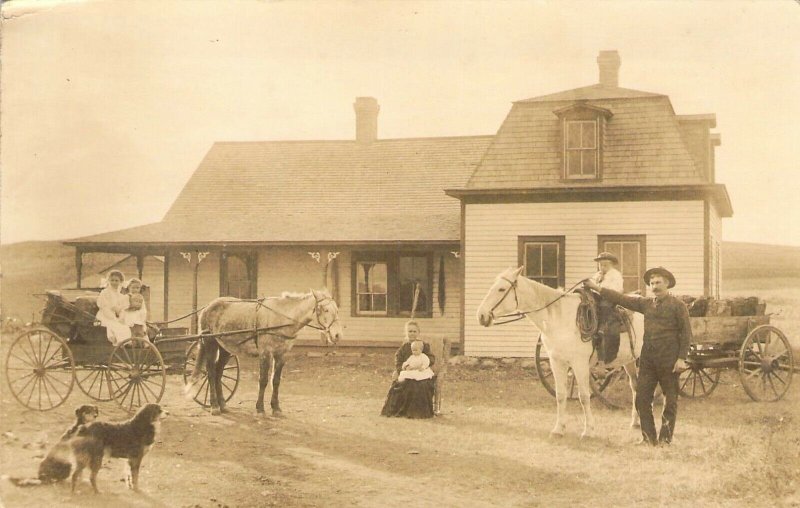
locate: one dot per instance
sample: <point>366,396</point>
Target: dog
<point>57,465</point>
<point>131,440</point>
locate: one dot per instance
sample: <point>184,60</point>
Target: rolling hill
<point>32,267</point>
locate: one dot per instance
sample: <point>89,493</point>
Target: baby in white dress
<point>418,365</point>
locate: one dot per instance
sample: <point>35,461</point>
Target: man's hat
<point>603,256</point>
<point>660,270</point>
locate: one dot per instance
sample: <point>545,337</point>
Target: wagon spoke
<point>23,360</point>
<point>31,359</point>
<point>55,378</point>
<point>46,391</point>
<point>144,385</point>
<point>47,351</point>
<point>31,380</point>
<point>29,374</point>
<point>33,389</point>
<point>55,389</point>
<point>53,355</point>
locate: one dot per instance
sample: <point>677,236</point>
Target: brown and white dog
<point>57,465</point>
<point>131,439</point>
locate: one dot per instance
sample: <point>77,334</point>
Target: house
<point>597,168</point>
<point>367,217</point>
<point>375,220</point>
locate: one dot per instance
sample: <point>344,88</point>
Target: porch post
<point>166,285</point>
<point>79,265</point>
<point>140,264</point>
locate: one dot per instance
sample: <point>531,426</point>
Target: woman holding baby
<point>411,393</point>
<point>122,314</point>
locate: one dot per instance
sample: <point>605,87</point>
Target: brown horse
<point>272,325</point>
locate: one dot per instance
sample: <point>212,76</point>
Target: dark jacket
<point>665,319</point>
<point>404,352</point>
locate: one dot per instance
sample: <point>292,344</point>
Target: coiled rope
<point>586,318</point>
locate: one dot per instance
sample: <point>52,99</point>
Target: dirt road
<point>491,448</point>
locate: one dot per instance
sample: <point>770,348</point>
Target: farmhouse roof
<point>642,144</point>
<point>317,191</point>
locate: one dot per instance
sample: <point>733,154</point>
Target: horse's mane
<point>292,294</point>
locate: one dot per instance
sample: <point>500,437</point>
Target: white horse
<point>553,312</point>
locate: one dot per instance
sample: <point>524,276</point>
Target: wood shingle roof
<point>642,145</point>
<point>317,191</point>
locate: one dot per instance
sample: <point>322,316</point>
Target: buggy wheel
<point>136,374</point>
<point>698,381</point>
<point>612,388</point>
<point>546,373</point>
<point>766,364</point>
<point>39,369</point>
<point>230,377</point>
<point>94,381</point>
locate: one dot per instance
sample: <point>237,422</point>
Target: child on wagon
<point>135,315</point>
<point>112,303</point>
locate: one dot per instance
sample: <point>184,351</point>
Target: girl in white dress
<point>135,315</point>
<point>112,304</point>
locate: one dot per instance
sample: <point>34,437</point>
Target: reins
<point>522,314</point>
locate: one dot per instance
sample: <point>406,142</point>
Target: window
<point>580,149</point>
<point>543,259</point>
<point>630,250</point>
<point>238,275</point>
<point>389,284</point>
<point>371,288</point>
<point>583,126</point>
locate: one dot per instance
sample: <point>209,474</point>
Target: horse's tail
<point>200,359</point>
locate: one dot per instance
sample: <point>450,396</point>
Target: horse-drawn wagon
<point>69,347</point>
<point>759,351</point>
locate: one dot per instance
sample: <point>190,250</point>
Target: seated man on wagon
<point>609,323</point>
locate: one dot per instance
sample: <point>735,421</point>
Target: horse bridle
<point>521,314</point>
<point>318,312</point>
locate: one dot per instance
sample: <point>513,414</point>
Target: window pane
<point>364,302</point>
<point>614,248</point>
<point>548,281</point>
<point>412,271</point>
<point>379,303</point>
<point>372,278</point>
<point>573,135</point>
<point>573,163</point>
<point>630,255</point>
<point>588,135</point>
<point>533,260</point>
<point>550,260</point>
<point>589,166</point>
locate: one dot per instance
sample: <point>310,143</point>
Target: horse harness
<point>269,329</point>
<point>520,314</point>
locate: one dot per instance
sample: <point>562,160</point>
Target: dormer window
<point>582,127</point>
<point>580,148</point>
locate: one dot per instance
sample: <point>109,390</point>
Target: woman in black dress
<point>410,398</point>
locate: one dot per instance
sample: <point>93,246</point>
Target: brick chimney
<point>609,62</point>
<point>366,119</point>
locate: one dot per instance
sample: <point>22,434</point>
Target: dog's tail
<point>25,482</point>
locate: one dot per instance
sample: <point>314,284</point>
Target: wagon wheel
<point>136,374</point>
<point>546,374</point>
<point>612,388</point>
<point>766,364</point>
<point>39,369</point>
<point>93,380</point>
<point>230,377</point>
<point>698,381</point>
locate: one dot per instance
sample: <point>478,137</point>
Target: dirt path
<point>489,449</point>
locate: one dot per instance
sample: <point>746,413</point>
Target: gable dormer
<point>583,129</point>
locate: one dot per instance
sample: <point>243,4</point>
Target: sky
<point>107,107</point>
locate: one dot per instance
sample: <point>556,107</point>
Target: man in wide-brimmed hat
<point>609,277</point>
<point>667,336</point>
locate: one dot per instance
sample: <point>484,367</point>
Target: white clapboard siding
<point>674,238</point>
<point>180,285</point>
<point>715,238</point>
